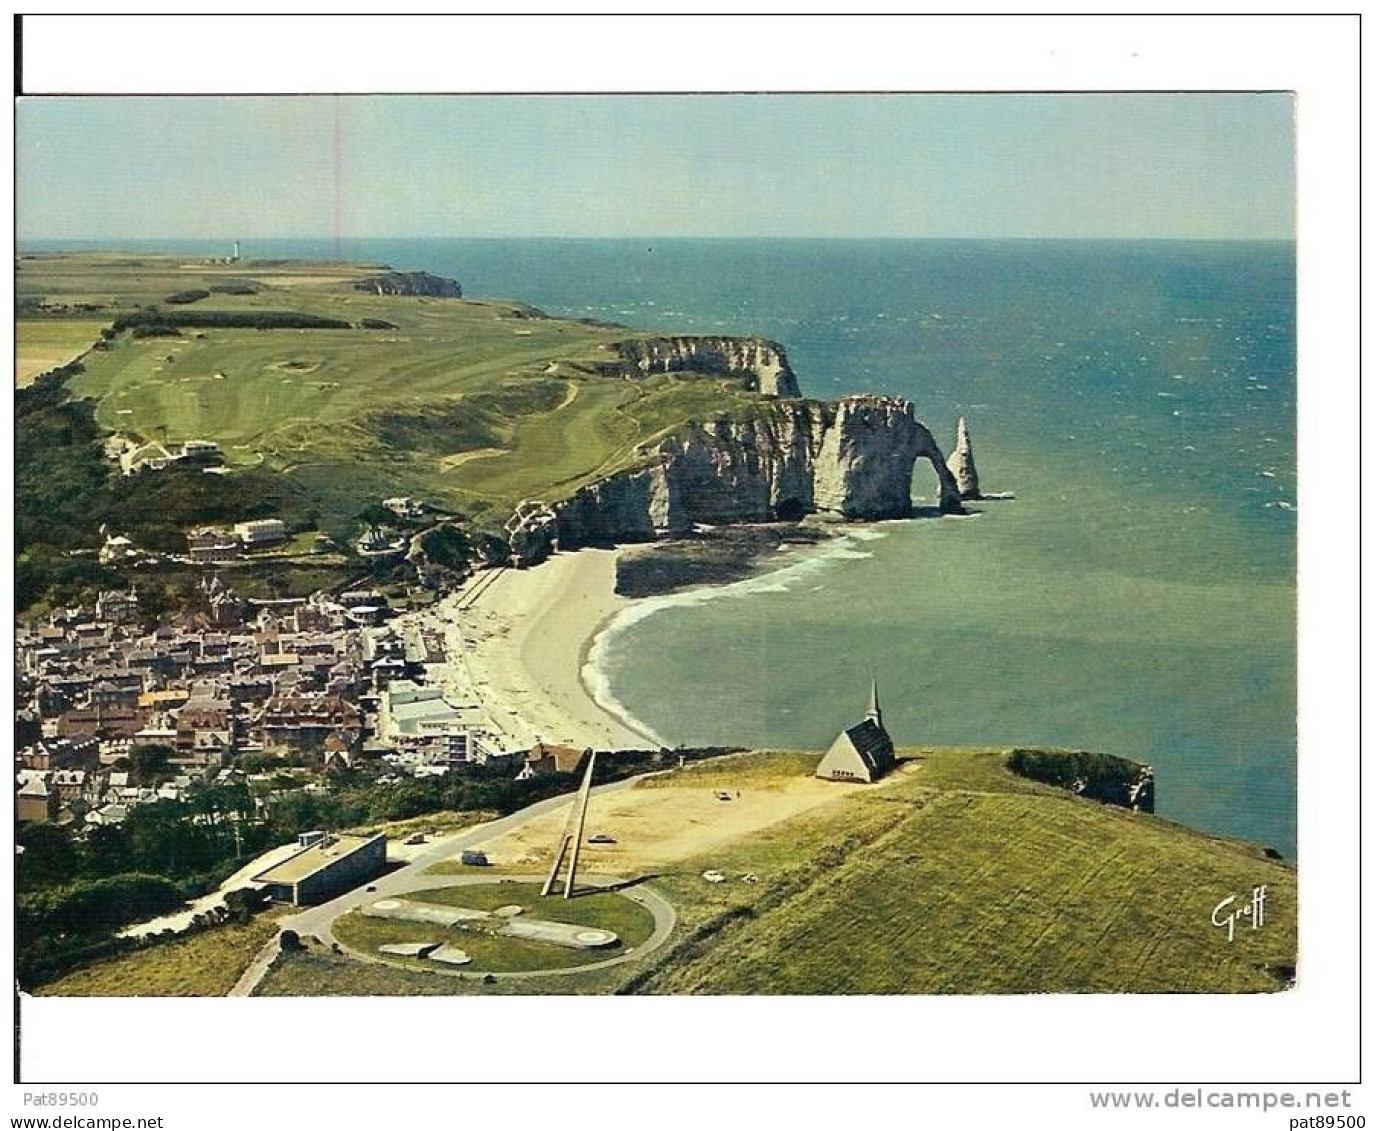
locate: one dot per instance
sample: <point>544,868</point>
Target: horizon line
<point>1292,238</point>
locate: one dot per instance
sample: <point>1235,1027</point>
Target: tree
<point>106,850</point>
<point>49,857</point>
<point>164,840</point>
<point>375,514</point>
<point>150,763</point>
<point>219,807</point>
<point>93,907</point>
<point>243,902</point>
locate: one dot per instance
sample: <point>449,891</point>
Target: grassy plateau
<point>471,405</point>
<point>952,876</point>
<point>494,953</point>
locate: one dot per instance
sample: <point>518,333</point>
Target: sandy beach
<point>515,642</point>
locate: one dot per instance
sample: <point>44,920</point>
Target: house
<point>201,450</point>
<point>208,546</point>
<point>307,721</point>
<point>249,689</point>
<point>36,800</point>
<point>109,693</point>
<point>387,669</point>
<point>309,618</point>
<point>116,607</point>
<point>344,678</point>
<point>376,541</point>
<point>205,729</point>
<point>113,749</point>
<point>106,722</point>
<point>863,752</point>
<point>368,615</point>
<point>546,758</point>
<point>404,506</point>
<point>76,752</point>
<point>56,695</point>
<point>118,549</point>
<point>160,731</point>
<point>153,703</point>
<point>337,754</point>
<point>111,814</point>
<point>358,598</point>
<point>70,786</point>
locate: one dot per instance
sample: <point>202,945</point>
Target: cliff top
<point>303,370</point>
<point>956,875</point>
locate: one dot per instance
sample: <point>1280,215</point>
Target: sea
<point>1134,595</point>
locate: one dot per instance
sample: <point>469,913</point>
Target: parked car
<point>473,858</point>
<point>601,838</point>
<point>714,877</point>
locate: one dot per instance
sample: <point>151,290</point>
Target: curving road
<point>319,920</point>
<point>664,921</point>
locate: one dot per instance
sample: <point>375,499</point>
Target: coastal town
<point>320,684</point>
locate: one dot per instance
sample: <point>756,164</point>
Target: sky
<point>1178,166</point>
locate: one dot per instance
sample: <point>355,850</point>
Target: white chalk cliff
<point>852,458</point>
<point>761,364</point>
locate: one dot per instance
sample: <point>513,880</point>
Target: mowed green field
<point>958,877</point>
<point>41,344</point>
<point>472,405</point>
<point>493,953</point>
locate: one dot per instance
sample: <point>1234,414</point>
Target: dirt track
<point>656,827</point>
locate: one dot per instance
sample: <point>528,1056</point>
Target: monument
<point>572,835</point>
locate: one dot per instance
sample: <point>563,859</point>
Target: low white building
<point>408,710</point>
<point>261,532</point>
<point>419,719</point>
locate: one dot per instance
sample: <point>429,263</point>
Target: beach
<point>516,642</point>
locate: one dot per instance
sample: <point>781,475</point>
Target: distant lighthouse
<point>235,257</point>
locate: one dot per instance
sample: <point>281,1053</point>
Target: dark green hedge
<point>185,298</point>
<point>231,319</point>
<point>1064,768</point>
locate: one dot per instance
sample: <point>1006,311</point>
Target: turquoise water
<point>1137,596</point>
